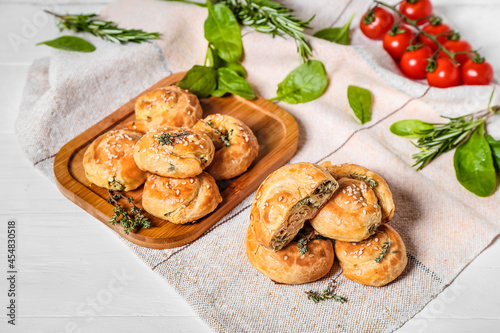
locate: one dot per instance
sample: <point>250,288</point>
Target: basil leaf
<point>215,61</point>
<point>336,35</point>
<point>360,100</point>
<point>70,43</point>
<point>230,82</point>
<point>305,83</point>
<point>411,128</point>
<point>222,30</point>
<point>200,80</point>
<point>495,149</point>
<point>474,165</point>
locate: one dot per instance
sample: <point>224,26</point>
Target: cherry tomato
<point>414,61</point>
<point>397,40</point>
<point>456,46</point>
<point>477,72</point>
<point>416,9</point>
<point>445,74</point>
<point>376,23</point>
<point>435,27</point>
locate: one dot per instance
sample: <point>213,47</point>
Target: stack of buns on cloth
<point>300,208</point>
<point>174,152</point>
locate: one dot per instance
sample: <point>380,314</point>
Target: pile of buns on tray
<point>300,208</point>
<point>174,153</point>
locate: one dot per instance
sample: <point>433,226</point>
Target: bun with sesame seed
<point>109,161</point>
<point>166,107</point>
<point>376,261</point>
<point>286,199</point>
<point>352,213</point>
<point>174,152</point>
<point>180,200</point>
<point>235,145</point>
<point>288,265</point>
<point>373,180</point>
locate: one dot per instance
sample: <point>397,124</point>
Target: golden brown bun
<point>288,265</point>
<point>378,184</point>
<point>358,259</point>
<point>235,144</point>
<point>166,107</point>
<point>286,199</point>
<point>352,213</point>
<point>109,161</point>
<point>180,200</point>
<point>174,152</point>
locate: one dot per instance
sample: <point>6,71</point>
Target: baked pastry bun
<point>235,145</point>
<point>286,199</point>
<point>375,261</point>
<point>288,265</point>
<point>166,107</point>
<point>352,213</point>
<point>174,152</point>
<point>180,200</point>
<point>109,161</point>
<point>376,182</point>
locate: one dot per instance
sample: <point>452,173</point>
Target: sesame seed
<point>294,200</point>
<point>201,146</point>
<point>183,183</point>
<point>369,243</point>
<point>376,239</point>
<point>208,186</point>
<point>312,186</point>
<point>280,198</point>
<point>376,248</point>
<point>345,253</point>
<point>364,211</point>
<point>311,255</point>
<point>285,258</point>
<point>353,243</point>
<point>346,202</point>
<point>258,195</point>
<point>266,204</point>
<point>364,204</point>
<point>191,180</point>
<point>177,192</point>
<point>284,199</point>
<point>302,256</point>
<point>310,177</point>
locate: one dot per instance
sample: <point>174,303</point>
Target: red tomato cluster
<point>419,57</point>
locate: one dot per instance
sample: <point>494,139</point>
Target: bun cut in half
<point>375,261</point>
<point>376,182</point>
<point>352,214</point>
<point>286,199</point>
<point>288,265</point>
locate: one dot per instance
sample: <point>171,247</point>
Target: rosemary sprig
<point>269,17</point>
<point>385,248</point>
<point>273,18</point>
<point>316,297</point>
<point>129,220</point>
<point>445,137</point>
<point>106,30</point>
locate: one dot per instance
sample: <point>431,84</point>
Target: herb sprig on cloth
<point>316,297</point>
<point>475,154</point>
<point>106,30</point>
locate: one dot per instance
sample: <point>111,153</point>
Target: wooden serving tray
<point>275,129</point>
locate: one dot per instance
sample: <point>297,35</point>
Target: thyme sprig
<point>385,248</point>
<point>303,240</point>
<point>166,138</point>
<point>129,220</point>
<point>365,178</point>
<point>106,30</point>
<point>316,297</point>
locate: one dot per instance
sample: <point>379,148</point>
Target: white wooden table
<point>75,276</point>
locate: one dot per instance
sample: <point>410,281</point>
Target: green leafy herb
<point>70,43</point>
<point>106,30</point>
<point>304,84</point>
<point>369,180</point>
<point>474,167</point>
<point>230,82</point>
<point>495,149</point>
<point>223,32</point>
<point>360,100</point>
<point>336,35</point>
<point>411,128</point>
<point>166,138</point>
<point>213,60</point>
<point>200,80</point>
<point>385,248</point>
<point>316,297</point>
<point>129,220</point>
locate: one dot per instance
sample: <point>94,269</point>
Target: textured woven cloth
<point>444,226</point>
